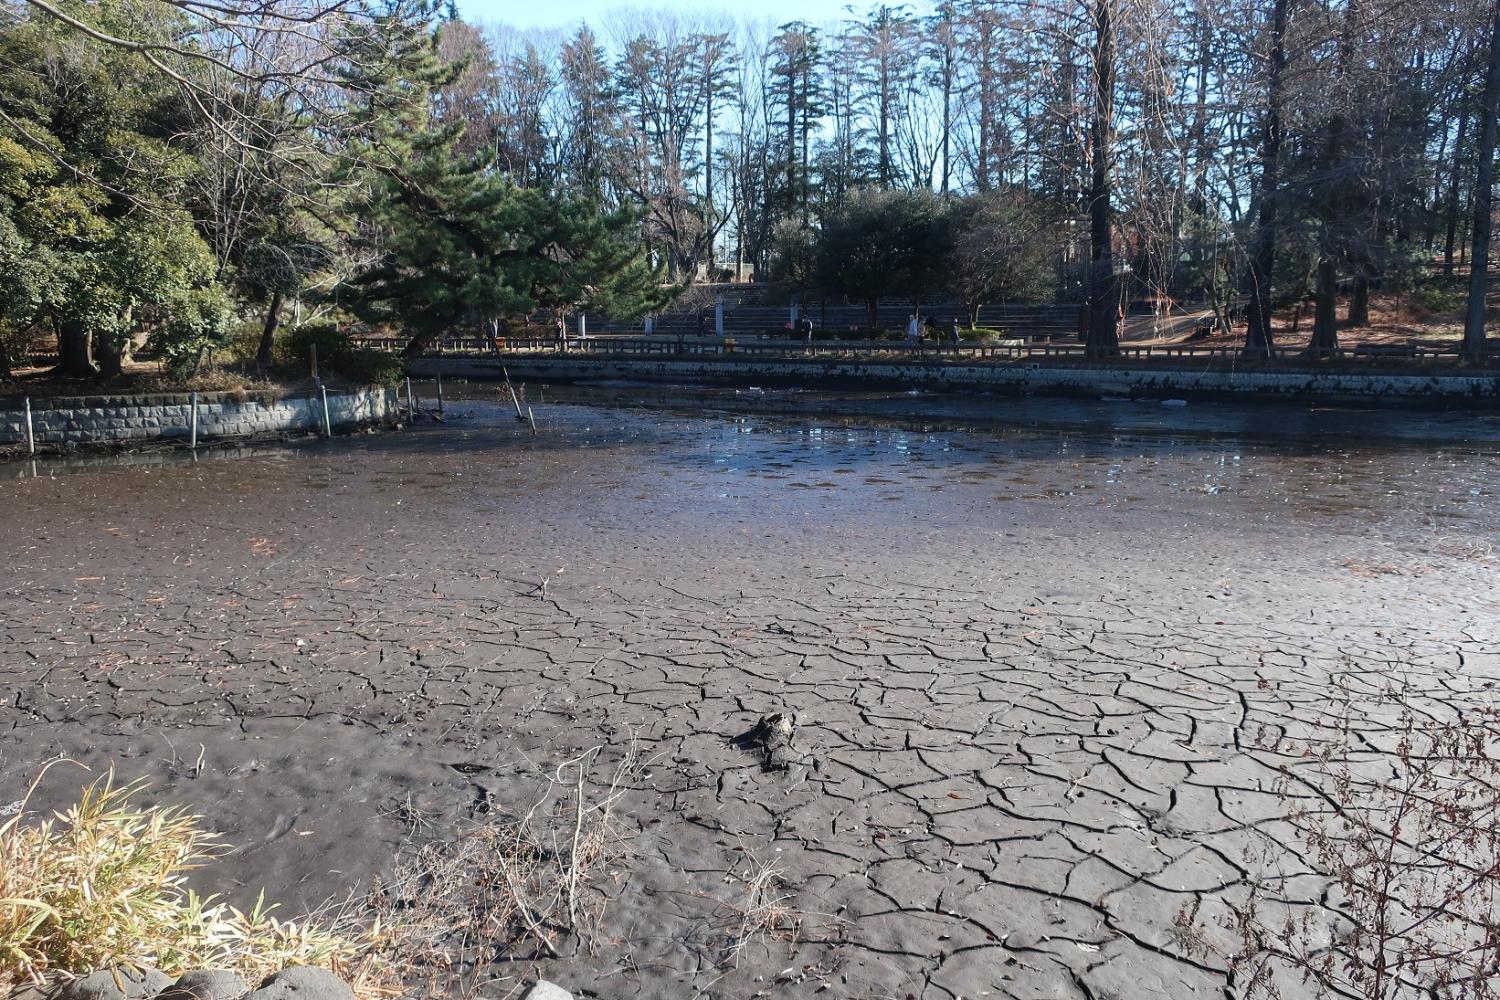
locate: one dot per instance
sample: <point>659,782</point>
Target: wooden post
<point>30,431</point>
<point>440,393</point>
<point>327,423</point>
<point>193,421</point>
<point>411,403</point>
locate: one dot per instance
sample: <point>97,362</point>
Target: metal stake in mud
<point>327,423</point>
<point>515,401</point>
<point>411,403</point>
<point>30,432</point>
<point>193,421</point>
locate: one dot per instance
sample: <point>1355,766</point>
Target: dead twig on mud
<point>541,588</point>
<point>406,812</point>
<point>197,768</point>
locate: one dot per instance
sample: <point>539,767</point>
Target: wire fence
<point>186,418</point>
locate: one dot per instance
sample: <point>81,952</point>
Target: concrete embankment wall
<point>1311,386</point>
<point>102,420</point>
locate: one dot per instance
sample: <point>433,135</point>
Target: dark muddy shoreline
<point>989,411</point>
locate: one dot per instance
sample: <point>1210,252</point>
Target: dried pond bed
<point>1043,682</point>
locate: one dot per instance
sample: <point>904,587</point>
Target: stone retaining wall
<point>93,420</point>
<point>1020,376</point>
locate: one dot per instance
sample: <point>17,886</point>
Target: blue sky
<point>567,13</point>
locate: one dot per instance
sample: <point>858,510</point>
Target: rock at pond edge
<point>206,984</point>
<point>138,983</point>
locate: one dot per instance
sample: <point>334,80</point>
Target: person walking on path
<point>806,326</point>
<point>953,333</point>
<point>913,330</point>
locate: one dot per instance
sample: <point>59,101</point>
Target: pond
<point>1045,660</point>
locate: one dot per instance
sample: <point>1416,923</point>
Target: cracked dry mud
<point>1033,671</point>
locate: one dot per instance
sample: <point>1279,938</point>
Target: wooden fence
<point>729,347</point>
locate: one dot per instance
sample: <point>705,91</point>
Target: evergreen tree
<point>886,243</point>
<point>591,113</point>
<point>795,83</point>
<point>456,243</point>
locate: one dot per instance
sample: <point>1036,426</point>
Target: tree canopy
<point>134,215</point>
<point>356,158</point>
<point>93,242</point>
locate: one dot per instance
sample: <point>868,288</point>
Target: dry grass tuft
<point>104,883</point>
<point>512,888</point>
<point>1369,570</point>
<point>1466,549</point>
<point>766,911</point>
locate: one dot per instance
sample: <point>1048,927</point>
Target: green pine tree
<point>455,243</point>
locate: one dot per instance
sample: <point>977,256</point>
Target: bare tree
<point>1484,184</point>
<point>285,52</point>
<point>1258,338</point>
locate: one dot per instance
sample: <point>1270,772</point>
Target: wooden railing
<point>744,347</point>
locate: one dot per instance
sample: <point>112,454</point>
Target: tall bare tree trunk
<point>1359,252</point>
<point>268,332</point>
<point>807,70</point>
<point>946,12</point>
<point>708,162</point>
<point>884,39</point>
<point>986,103</point>
<point>1325,336</point>
<point>1455,175</point>
<point>1258,338</point>
<point>791,139</point>
<point>885,119</point>
<point>1104,286</point>
<point>1483,198</point>
<point>1201,151</point>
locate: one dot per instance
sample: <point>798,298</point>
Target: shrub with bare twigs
<point>1401,817</point>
